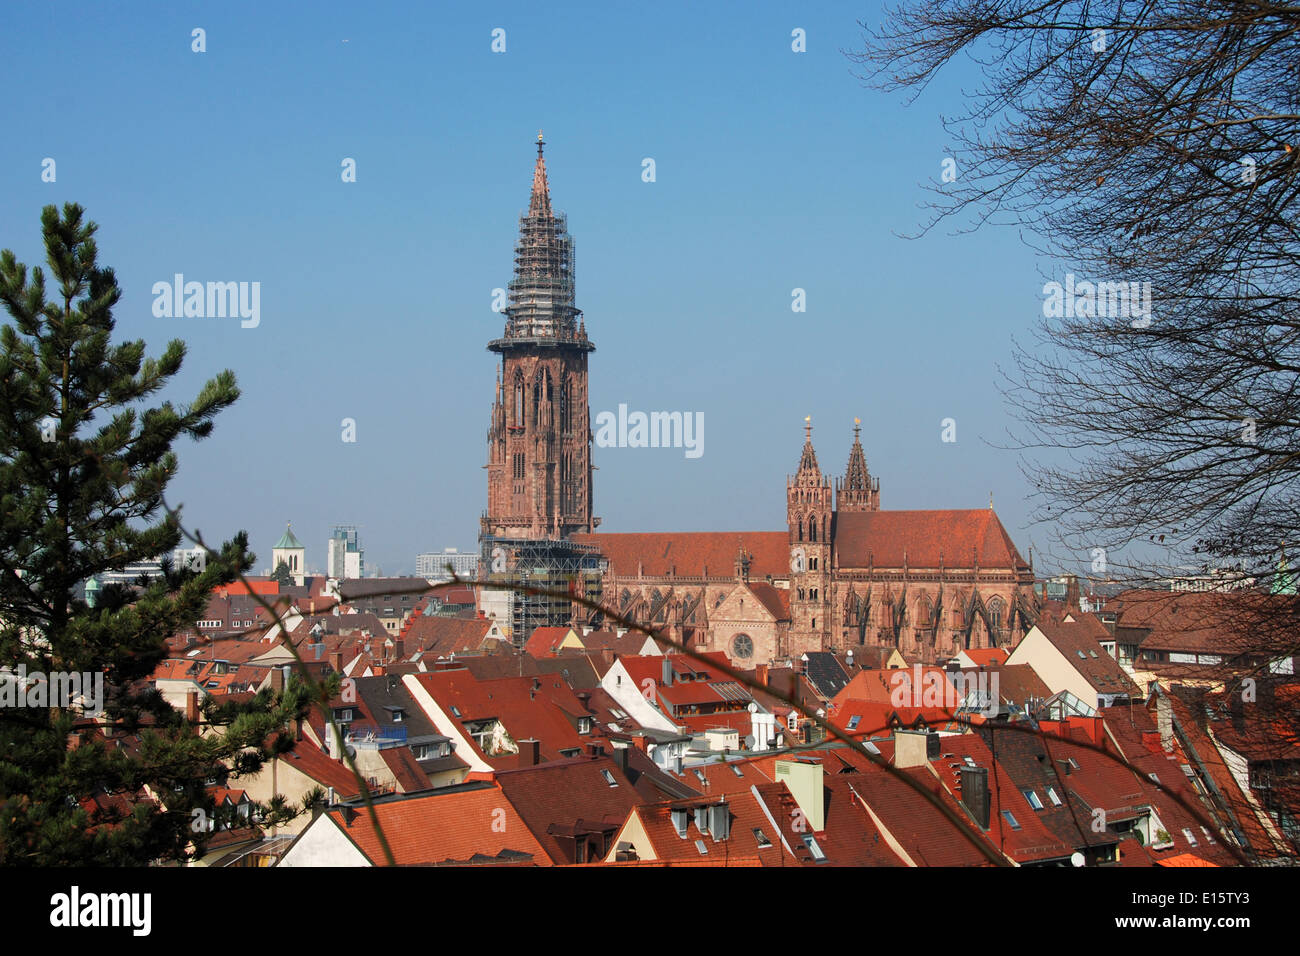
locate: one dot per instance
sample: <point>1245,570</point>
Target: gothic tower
<point>858,491</point>
<point>539,440</point>
<point>809,515</point>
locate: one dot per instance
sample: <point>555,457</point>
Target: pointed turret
<point>808,472</point>
<point>858,491</point>
<point>539,205</point>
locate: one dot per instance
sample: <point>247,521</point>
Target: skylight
<point>1032,797</point>
<point>1051,795</point>
<point>853,722</point>
<point>699,845</point>
<point>811,843</point>
<point>735,768</point>
<point>763,842</point>
<point>609,778</point>
<point>1011,819</point>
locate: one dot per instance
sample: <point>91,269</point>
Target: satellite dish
<point>750,741</point>
<point>752,708</point>
<point>1076,859</point>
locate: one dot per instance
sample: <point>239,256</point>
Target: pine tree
<point>283,574</point>
<point>83,470</point>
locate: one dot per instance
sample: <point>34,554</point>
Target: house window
<point>1033,799</point>
<point>584,725</point>
<point>1011,819</point>
<point>1051,795</point>
<point>853,721</point>
<point>761,838</point>
<point>1189,836</point>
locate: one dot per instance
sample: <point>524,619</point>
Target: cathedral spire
<point>808,460</point>
<point>539,204</point>
<point>858,491</point>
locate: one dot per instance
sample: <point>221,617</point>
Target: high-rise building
<point>432,565</point>
<point>345,558</point>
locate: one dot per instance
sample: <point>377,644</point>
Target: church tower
<point>539,439</point>
<point>809,516</point>
<point>858,491</point>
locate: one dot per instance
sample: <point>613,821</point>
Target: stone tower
<point>809,515</point>
<point>858,491</point>
<point>539,440</point>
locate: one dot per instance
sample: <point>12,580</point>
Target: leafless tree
<point>1142,146</point>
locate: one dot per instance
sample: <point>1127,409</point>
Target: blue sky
<point>775,170</point>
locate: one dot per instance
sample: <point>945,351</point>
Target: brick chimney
<point>336,661</point>
<point>277,679</point>
<point>760,674</point>
<point>530,752</point>
<point>192,706</point>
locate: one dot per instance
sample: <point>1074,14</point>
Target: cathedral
<point>843,573</point>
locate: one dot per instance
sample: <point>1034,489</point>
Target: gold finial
<point>539,136</point>
<point>857,421</point>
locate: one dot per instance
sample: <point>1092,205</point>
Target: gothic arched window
<point>996,610</point>
<point>812,529</point>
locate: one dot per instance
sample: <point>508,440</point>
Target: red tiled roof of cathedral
<point>690,552</point>
<point>882,538</point>
<point>879,538</point>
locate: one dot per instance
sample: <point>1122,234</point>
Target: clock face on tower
<point>798,560</point>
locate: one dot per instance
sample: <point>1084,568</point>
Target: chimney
<point>911,748</point>
<point>192,706</point>
<point>642,744</point>
<point>804,780</point>
<point>336,662</point>
<point>668,671</point>
<point>399,649</point>
<point>530,753</point>
<point>277,680</point>
<point>1165,722</point>
<point>760,674</point>
<point>975,794</point>
<point>595,749</point>
<point>620,758</point>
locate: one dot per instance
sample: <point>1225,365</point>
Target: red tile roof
<point>926,539</point>
<point>569,798</point>
<point>690,554</point>
<point>441,828</point>
<point>544,640</point>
